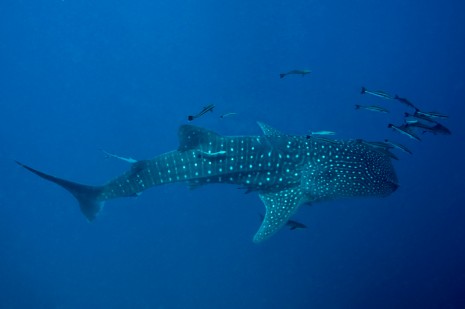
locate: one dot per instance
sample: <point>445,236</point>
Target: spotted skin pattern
<point>285,170</point>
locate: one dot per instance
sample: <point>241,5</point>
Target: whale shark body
<point>286,171</point>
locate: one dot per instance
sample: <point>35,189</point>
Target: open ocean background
<point>80,76</point>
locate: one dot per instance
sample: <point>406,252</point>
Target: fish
<point>291,224</point>
<point>415,118</point>
<point>323,133</point>
<point>206,109</point>
<point>322,139</point>
<point>372,108</point>
<point>380,147</point>
<point>398,146</point>
<point>111,155</point>
<point>404,101</point>
<point>405,130</point>
<point>377,93</point>
<point>227,115</point>
<point>409,120</point>
<point>435,129</point>
<point>430,114</point>
<point>286,171</point>
<point>301,72</point>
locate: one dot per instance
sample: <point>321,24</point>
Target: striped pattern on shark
<point>286,171</point>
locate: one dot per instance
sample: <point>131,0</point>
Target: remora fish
<point>398,146</point>
<point>377,93</point>
<point>208,108</point>
<point>404,101</point>
<point>286,171</point>
<point>227,115</point>
<point>372,108</point>
<point>409,118</point>
<point>430,114</point>
<point>301,72</point>
<point>291,224</point>
<point>404,129</point>
<point>111,155</point>
<point>380,147</point>
<point>323,133</point>
<point>322,139</point>
<point>435,129</point>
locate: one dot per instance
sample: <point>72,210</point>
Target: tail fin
<point>87,196</point>
<point>357,106</point>
<point>282,75</point>
<point>363,90</point>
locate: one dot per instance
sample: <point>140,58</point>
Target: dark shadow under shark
<point>286,171</point>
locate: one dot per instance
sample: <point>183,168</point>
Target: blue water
<point>79,76</point>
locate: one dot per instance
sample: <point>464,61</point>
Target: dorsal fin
<point>269,131</point>
<point>191,137</point>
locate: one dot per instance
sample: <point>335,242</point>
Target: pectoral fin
<point>279,207</point>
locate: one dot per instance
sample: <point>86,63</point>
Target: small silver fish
<point>209,154</point>
<point>125,159</point>
<point>404,101</point>
<point>380,147</point>
<point>372,108</point>
<point>206,109</point>
<point>435,129</point>
<point>398,146</point>
<point>409,118</point>
<point>386,152</point>
<point>404,129</point>
<point>292,224</point>
<point>377,93</point>
<point>301,72</point>
<point>322,133</point>
<point>227,115</point>
<point>323,139</point>
<point>430,114</point>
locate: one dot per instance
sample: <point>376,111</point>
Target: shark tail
<point>87,196</point>
<point>363,90</point>
<point>282,75</point>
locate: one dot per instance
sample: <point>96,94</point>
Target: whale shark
<point>286,171</point>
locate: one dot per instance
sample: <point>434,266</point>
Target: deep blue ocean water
<point>80,76</point>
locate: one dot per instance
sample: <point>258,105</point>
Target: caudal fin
<point>363,90</point>
<point>87,196</point>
